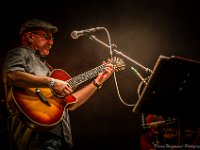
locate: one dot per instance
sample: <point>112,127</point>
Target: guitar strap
<point>48,66</point>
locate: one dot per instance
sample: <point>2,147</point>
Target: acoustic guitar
<point>43,107</point>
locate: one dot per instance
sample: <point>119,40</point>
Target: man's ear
<point>30,38</point>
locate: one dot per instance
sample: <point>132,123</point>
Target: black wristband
<point>97,85</point>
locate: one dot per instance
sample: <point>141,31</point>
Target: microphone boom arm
<point>149,71</point>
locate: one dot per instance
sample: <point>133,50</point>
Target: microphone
<point>77,34</point>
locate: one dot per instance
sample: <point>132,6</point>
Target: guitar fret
<point>70,82</point>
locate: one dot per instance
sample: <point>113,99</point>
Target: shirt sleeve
<point>15,61</point>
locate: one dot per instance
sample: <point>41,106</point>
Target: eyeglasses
<point>46,36</point>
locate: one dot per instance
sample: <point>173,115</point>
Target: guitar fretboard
<point>75,81</point>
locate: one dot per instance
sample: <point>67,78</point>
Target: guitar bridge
<point>42,98</point>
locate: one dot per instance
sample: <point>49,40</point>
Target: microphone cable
<point>114,74</point>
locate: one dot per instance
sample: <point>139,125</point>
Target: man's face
<point>42,41</point>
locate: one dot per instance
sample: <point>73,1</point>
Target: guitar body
<point>35,109</point>
<point>44,107</point>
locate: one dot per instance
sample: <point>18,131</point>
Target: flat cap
<point>37,24</point>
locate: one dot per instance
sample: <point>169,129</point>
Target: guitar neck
<point>77,80</point>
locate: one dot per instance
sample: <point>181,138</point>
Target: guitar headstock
<point>118,63</point>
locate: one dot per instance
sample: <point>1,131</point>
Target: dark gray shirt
<point>27,60</point>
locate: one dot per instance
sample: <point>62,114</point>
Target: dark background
<point>142,30</point>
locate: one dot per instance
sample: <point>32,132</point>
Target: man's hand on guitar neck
<point>103,76</point>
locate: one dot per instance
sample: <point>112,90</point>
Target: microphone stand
<point>147,70</point>
<point>113,48</point>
